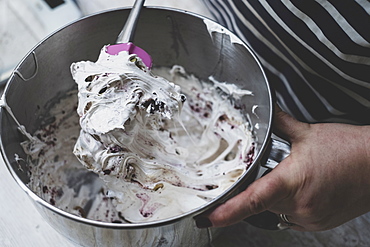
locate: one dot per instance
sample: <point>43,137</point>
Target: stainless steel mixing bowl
<point>202,46</point>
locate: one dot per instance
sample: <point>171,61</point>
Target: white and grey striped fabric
<point>316,53</point>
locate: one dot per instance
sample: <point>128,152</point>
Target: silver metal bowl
<point>172,37</point>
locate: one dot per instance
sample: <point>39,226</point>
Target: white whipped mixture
<point>161,148</point>
<point>55,173</point>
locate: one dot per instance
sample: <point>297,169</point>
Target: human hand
<point>323,183</point>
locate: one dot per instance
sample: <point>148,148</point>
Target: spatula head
<point>132,49</point>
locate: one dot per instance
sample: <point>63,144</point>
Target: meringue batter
<point>161,147</point>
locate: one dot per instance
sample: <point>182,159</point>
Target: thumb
<point>258,197</point>
<point>286,126</point>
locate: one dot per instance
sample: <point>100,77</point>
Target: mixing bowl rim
<point>219,199</point>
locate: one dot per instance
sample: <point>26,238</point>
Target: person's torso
<point>316,54</point>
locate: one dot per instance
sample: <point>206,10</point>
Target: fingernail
<point>203,222</point>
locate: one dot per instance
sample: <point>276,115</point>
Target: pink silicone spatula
<point>124,40</point>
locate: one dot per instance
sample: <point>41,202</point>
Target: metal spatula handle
<point>128,30</point>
